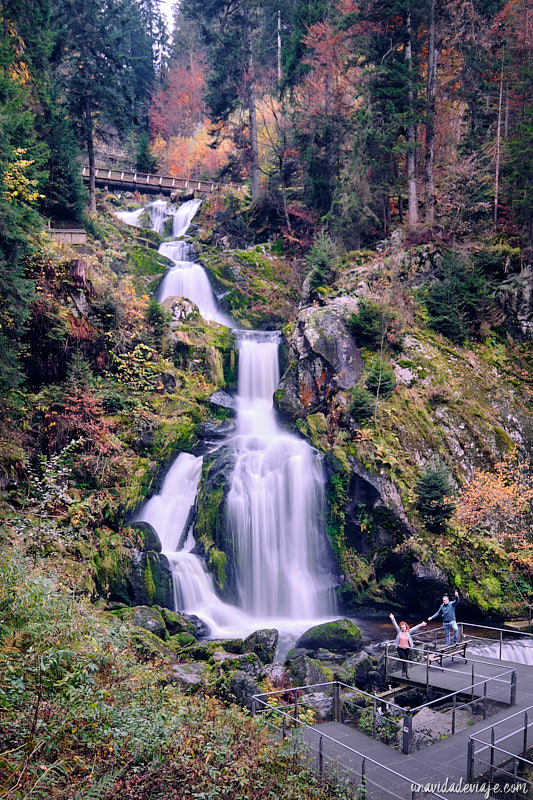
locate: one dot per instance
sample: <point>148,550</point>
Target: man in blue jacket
<point>449,622</point>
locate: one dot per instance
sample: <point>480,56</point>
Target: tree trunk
<point>498,142</point>
<point>429,167</point>
<point>412,195</point>
<point>90,153</point>
<point>254,146</point>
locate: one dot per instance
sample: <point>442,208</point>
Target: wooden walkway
<point>443,760</point>
<point>155,184</point>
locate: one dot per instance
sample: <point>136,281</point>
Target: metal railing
<point>501,750</point>
<point>370,778</point>
<point>436,636</point>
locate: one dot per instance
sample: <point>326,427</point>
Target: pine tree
<point>435,493</point>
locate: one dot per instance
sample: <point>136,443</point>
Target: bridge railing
<point>502,751</point>
<point>146,181</point>
<point>286,711</point>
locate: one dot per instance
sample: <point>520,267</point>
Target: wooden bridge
<point>155,184</point>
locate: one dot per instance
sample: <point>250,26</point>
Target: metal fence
<point>477,635</point>
<point>500,752</point>
<point>287,710</point>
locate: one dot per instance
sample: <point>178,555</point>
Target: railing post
<point>386,661</point>
<point>407,731</point>
<point>524,749</point>
<point>336,702</point>
<point>513,687</point>
<point>254,706</point>
<point>374,721</point>
<point>501,641</point>
<point>296,707</point>
<point>284,727</point>
<point>427,673</point>
<point>363,776</point>
<point>485,700</point>
<point>321,756</point>
<point>491,770</point>
<point>470,761</point>
<point>454,706</point>
<point>472,684</point>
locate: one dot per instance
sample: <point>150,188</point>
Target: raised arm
<point>417,627</point>
<point>393,620</point>
<point>455,602</point>
<point>435,615</point>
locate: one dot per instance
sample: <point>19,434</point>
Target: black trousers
<point>404,653</point>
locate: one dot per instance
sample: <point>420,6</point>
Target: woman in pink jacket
<point>403,642</point>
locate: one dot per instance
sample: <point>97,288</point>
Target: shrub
<point>371,323</point>
<point>380,379</point>
<point>362,403</point>
<point>456,300</point>
<point>435,493</point>
<point>322,258</point>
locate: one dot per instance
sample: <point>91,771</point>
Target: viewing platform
<point>466,721</point>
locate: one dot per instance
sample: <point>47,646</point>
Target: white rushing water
<point>276,502</point>
<point>517,651</point>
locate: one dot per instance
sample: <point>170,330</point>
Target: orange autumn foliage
<point>497,501</point>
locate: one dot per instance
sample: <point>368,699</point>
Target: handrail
<point>342,744</point>
<point>332,683</point>
<point>501,721</point>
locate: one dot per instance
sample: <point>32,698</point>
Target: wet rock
<point>179,641</point>
<point>341,636</point>
<point>224,400</point>
<point>201,628</point>
<point>180,309</point>
<point>263,643</point>
<point>243,687</point>
<point>216,431</point>
<point>191,676</point>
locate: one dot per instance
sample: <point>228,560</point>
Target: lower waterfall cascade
<point>276,500</point>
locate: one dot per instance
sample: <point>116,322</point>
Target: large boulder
<point>263,643</point>
<point>243,687</point>
<point>323,358</point>
<point>341,636</point>
<point>147,535</point>
<point>307,671</point>
<point>191,676</point>
<point>243,662</point>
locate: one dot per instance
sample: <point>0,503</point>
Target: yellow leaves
<point>19,187</point>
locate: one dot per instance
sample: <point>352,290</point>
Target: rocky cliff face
<point>323,358</point>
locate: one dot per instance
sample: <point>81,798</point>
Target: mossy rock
<point>176,623</point>
<point>245,662</point>
<point>307,671</point>
<point>151,580</point>
<point>341,636</point>
<point>263,643</point>
<point>147,536</point>
<point>149,646</point>
<point>180,641</point>
<point>145,617</point>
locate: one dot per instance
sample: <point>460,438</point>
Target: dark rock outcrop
<point>243,687</point>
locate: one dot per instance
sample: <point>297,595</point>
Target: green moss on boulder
<point>341,636</point>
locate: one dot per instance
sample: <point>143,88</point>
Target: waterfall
<point>183,217</point>
<point>276,500</point>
